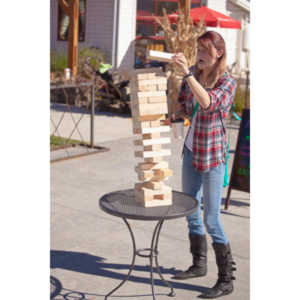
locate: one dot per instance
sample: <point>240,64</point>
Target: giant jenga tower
<point>149,106</point>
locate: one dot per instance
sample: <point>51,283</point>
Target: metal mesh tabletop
<point>123,204</point>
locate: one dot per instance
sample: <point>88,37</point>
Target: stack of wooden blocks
<point>149,106</point>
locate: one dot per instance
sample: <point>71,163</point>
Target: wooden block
<point>151,117</point>
<point>159,175</point>
<point>163,197</point>
<point>164,193</point>
<point>155,129</point>
<point>156,99</point>
<point>163,172</point>
<point>154,202</point>
<point>151,94</point>
<point>152,148</point>
<point>147,88</point>
<point>162,87</point>
<point>144,175</point>
<point>151,108</point>
<point>138,142</point>
<point>150,136</point>
<point>159,56</point>
<point>152,185</point>
<point>135,72</point>
<point>153,81</point>
<point>145,196</point>
<point>148,142</point>
<point>147,154</point>
<point>139,126</point>
<point>153,166</point>
<point>153,159</point>
<point>155,123</point>
<point>145,76</point>
<point>134,99</point>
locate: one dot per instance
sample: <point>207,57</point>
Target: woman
<point>207,94</point>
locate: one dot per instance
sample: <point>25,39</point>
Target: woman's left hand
<point>181,61</point>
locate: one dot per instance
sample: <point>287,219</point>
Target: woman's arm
<point>199,92</point>
<point>219,98</point>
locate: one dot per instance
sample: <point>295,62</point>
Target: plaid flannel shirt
<point>210,138</point>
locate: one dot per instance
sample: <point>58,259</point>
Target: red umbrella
<point>211,18</point>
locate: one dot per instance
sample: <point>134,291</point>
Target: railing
<point>69,99</point>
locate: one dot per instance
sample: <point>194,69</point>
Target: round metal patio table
<point>123,204</point>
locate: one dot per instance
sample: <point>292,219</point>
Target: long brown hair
<point>213,39</point>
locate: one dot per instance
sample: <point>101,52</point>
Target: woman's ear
<point>219,53</point>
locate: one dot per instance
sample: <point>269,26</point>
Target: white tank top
<point>190,135</point>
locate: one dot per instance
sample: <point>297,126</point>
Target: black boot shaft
<point>224,261</point>
<point>198,248</point>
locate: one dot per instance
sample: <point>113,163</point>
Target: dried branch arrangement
<point>182,39</point>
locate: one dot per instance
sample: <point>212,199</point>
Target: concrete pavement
<point>91,250</point>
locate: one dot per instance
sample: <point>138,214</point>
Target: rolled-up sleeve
<point>185,99</point>
<point>221,96</point>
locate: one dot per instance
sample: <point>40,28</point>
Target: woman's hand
<point>181,61</point>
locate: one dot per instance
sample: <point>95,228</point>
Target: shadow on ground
<point>94,265</point>
<point>237,203</point>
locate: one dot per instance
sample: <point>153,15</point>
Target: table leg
<point>172,293</point>
<point>132,263</point>
<point>154,247</point>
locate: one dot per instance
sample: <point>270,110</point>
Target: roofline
<point>242,4</point>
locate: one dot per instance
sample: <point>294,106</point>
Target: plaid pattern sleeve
<point>185,99</point>
<point>221,96</point>
<point>210,137</point>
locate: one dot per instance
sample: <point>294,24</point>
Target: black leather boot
<point>198,248</point>
<point>225,263</point>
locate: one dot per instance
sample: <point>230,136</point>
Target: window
<point>155,7</point>
<point>63,23</point>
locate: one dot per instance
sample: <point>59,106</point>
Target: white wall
<point>232,37</point>
<point>126,33</point>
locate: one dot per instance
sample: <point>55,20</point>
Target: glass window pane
<point>63,23</point>
<point>146,5</point>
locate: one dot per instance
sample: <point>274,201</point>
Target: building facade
<point>112,26</point>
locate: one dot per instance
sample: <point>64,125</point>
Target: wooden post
<point>186,5</point>
<point>71,8</point>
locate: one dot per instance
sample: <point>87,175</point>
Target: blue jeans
<point>209,183</point>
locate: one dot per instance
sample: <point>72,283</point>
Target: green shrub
<point>58,61</point>
<point>239,99</point>
<point>97,54</point>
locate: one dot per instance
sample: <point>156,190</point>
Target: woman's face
<point>206,59</point>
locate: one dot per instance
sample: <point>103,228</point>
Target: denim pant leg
<point>212,198</point>
<point>192,185</point>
